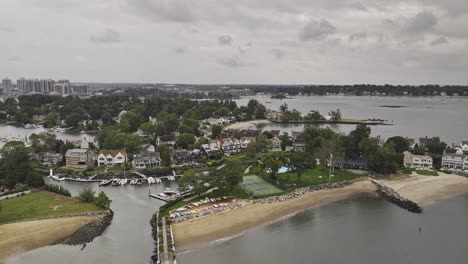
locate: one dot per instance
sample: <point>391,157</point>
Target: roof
<point>147,154</point>
<point>112,152</point>
<point>71,152</point>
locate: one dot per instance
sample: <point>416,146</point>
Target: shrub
<point>57,189</point>
<point>102,200</point>
<point>34,179</point>
<point>86,196</point>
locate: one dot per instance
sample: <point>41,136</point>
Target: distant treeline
<point>365,89</point>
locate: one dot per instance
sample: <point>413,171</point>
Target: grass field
<point>258,187</point>
<point>41,204</point>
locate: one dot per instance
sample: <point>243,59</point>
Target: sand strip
<point>248,124</point>
<point>197,232</point>
<point>23,236</point>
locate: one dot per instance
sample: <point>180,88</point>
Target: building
<point>275,144</point>
<point>296,146</point>
<point>344,163</point>
<point>210,150</point>
<point>167,140</point>
<point>411,142</point>
<point>146,159</point>
<point>244,141</point>
<point>454,162</point>
<point>112,158</point>
<point>79,89</point>
<point>229,145</point>
<point>274,115</point>
<point>48,158</point>
<point>7,87</point>
<point>184,157</point>
<point>79,158</point>
<point>417,161</point>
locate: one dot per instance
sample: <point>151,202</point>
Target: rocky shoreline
<point>392,196</point>
<point>88,232</point>
<point>154,233</point>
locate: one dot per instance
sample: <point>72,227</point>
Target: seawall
<point>391,195</point>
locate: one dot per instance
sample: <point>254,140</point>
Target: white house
<point>417,161</point>
<point>454,162</point>
<point>112,158</point>
<point>244,141</point>
<point>275,144</point>
<point>229,145</point>
<point>146,159</point>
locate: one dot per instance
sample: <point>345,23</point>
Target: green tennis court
<point>255,185</point>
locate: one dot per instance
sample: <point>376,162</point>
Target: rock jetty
<point>391,195</point>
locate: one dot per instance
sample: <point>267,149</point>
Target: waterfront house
<point>296,146</point>
<point>344,163</point>
<point>167,140</point>
<point>244,141</point>
<point>79,158</point>
<point>236,133</point>
<point>112,158</point>
<point>417,161</point>
<point>274,115</point>
<point>454,162</point>
<point>184,157</point>
<point>228,145</point>
<point>47,158</point>
<point>148,147</point>
<point>146,159</point>
<point>275,144</point>
<point>210,150</point>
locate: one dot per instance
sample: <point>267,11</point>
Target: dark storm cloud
<point>421,23</point>
<point>108,36</point>
<point>225,40</point>
<point>315,30</point>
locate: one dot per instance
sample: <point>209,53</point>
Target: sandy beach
<point>248,124</point>
<point>424,190</point>
<point>420,189</point>
<point>196,232</point>
<point>23,236</point>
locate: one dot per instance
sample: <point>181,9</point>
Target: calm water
<point>23,133</point>
<point>419,116</point>
<point>127,240</point>
<point>352,231</point>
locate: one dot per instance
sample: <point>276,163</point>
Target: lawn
<point>41,204</point>
<point>255,185</point>
<point>318,175</point>
<point>427,172</point>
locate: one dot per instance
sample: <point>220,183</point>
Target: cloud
<point>180,50</point>
<point>421,23</point>
<point>108,36</point>
<point>225,40</point>
<point>315,30</point>
<point>439,41</point>
<point>15,59</point>
<point>278,53</point>
<point>165,10</point>
<point>232,62</point>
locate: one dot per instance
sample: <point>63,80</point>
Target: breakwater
<point>392,196</point>
<point>88,232</point>
<point>154,234</point>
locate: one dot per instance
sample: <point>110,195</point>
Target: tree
<point>314,116</point>
<point>148,129</point>
<point>385,160</point>
<point>285,141</point>
<point>436,146</point>
<point>401,145</point>
<point>300,162</point>
<point>164,151</point>
<point>228,177</point>
<point>35,179</point>
<point>216,130</point>
<point>352,143</point>
<point>43,142</point>
<point>201,141</point>
<point>185,139</point>
<point>134,120</point>
<point>107,118</point>
<point>102,200</point>
<point>336,115</point>
<point>193,180</point>
<point>283,108</point>
<point>86,196</point>
<point>273,161</point>
<point>51,119</point>
<point>74,119</point>
<point>14,163</point>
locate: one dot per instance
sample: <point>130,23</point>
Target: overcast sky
<point>236,41</point>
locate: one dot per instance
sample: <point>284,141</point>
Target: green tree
<point>35,179</point>
<point>300,162</point>
<point>228,177</point>
<point>385,160</point>
<point>273,161</point>
<point>51,119</point>
<point>102,200</point>
<point>216,130</point>
<point>149,129</point>
<point>164,151</point>
<point>336,115</point>
<point>185,139</point>
<point>401,145</point>
<point>86,196</point>
<point>14,163</point>
<point>43,142</point>
<point>353,142</point>
<point>134,120</point>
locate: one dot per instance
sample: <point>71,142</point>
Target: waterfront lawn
<point>318,175</point>
<point>427,172</point>
<point>41,204</point>
<point>258,187</point>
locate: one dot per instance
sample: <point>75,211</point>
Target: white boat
<point>105,182</point>
<point>158,180</point>
<point>151,180</point>
<point>58,177</point>
<point>132,182</point>
<point>123,182</point>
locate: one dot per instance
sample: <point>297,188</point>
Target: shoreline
<point>201,231</point>
<point>25,235</point>
<point>423,190</point>
<point>248,124</point>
